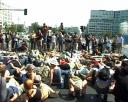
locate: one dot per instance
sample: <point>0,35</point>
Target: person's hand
<point>12,76</point>
<point>18,70</point>
<point>10,100</point>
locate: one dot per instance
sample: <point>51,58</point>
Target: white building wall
<point>5,15</point>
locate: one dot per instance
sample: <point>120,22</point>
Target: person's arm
<point>15,96</point>
<point>51,75</point>
<point>13,66</point>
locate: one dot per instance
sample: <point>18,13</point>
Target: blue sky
<point>70,12</point>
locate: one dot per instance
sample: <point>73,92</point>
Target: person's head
<point>53,63</point>
<point>2,69</point>
<point>30,68</point>
<point>28,84</point>
<point>89,64</point>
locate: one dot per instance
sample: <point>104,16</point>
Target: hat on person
<point>54,62</point>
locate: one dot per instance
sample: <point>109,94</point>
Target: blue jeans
<point>58,73</point>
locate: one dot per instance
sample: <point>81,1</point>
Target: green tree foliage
<point>12,27</point>
<point>55,29</point>
<point>6,27</point>
<point>34,27</point>
<point>20,28</point>
<point>72,30</point>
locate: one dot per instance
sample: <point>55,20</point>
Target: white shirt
<point>119,40</point>
<point>54,39</point>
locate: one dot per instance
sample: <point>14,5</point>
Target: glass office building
<point>106,22</point>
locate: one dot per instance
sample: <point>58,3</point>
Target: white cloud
<point>70,12</point>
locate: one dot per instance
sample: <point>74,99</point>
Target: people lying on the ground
<point>77,84</point>
<point>7,75</point>
<point>14,67</point>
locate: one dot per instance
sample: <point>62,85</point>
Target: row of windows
<point>100,30</point>
<point>100,24</point>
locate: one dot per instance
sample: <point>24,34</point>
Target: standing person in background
<point>87,38</point>
<point>32,40</point>
<point>44,31</point>
<point>100,44</point>
<point>1,41</point>
<point>60,40</point>
<point>53,41</point>
<point>62,28</point>
<point>39,40</point>
<point>74,41</point>
<point>114,46</point>
<point>49,41</point>
<point>8,40</point>
<point>119,42</point>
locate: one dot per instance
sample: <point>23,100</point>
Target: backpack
<point>104,74</point>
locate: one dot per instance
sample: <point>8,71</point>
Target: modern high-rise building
<point>5,15</point>
<point>106,22</point>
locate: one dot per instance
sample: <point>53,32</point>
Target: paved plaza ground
<point>89,97</point>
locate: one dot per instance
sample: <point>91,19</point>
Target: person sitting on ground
<point>80,77</point>
<point>54,73</point>
<point>31,74</point>
<point>34,94</point>
<point>77,84</point>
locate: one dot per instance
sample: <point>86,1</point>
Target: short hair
<point>28,84</point>
<point>30,67</point>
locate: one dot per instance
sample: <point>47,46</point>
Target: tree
<point>34,27</point>
<point>20,28</point>
<point>55,30</point>
<point>6,27</point>
<point>12,27</point>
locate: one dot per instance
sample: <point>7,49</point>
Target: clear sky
<point>70,12</point>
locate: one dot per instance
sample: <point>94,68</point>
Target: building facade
<point>106,22</point>
<point>5,15</point>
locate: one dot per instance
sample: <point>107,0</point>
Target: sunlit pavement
<point>89,97</point>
